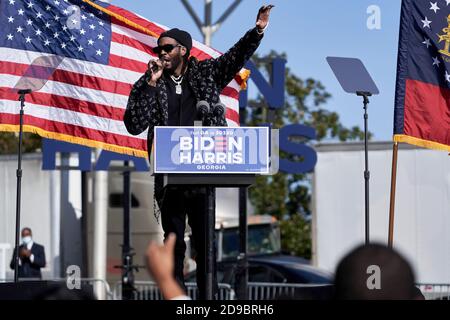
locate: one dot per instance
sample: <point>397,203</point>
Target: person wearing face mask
<point>31,257</point>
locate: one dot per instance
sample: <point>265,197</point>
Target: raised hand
<point>262,19</point>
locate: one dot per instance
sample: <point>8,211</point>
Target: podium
<point>210,182</point>
<point>212,157</point>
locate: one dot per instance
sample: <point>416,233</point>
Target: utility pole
<point>207,28</point>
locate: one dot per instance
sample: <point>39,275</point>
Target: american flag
<point>103,50</point>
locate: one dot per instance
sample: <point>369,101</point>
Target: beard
<point>174,62</point>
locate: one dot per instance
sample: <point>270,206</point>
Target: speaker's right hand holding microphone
<point>155,69</point>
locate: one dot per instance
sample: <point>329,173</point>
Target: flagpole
<point>392,201</point>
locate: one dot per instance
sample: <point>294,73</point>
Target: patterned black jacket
<point>147,107</point>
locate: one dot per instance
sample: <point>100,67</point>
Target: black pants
<point>176,203</point>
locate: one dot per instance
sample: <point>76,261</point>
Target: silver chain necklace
<point>177,81</point>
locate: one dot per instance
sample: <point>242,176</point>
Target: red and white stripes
<point>84,102</point>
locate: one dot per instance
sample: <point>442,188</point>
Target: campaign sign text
<point>211,150</point>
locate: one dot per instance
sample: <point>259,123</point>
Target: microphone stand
<point>22,94</point>
<point>366,96</point>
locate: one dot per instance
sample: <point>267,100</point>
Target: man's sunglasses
<point>167,48</point>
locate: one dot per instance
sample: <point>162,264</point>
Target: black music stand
<point>354,78</point>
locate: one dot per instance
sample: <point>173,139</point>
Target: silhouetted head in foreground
<point>374,272</point>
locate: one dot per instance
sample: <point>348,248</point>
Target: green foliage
<point>296,236</point>
<point>9,142</point>
<point>288,196</point>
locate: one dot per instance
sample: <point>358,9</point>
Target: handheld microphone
<point>153,66</point>
<point>152,69</point>
<point>202,111</point>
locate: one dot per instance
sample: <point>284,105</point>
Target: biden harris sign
<point>211,150</point>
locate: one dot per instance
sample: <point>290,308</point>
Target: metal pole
<point>243,240</point>
<point>366,168</point>
<point>100,230</point>
<point>366,96</point>
<point>22,94</point>
<point>226,14</point>
<point>207,27</point>
<point>126,207</point>
<point>127,258</point>
<point>393,189</point>
<point>55,205</point>
<point>194,16</point>
<point>84,222</point>
<point>210,221</point>
<point>64,204</point>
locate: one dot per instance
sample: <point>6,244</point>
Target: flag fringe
<point>123,19</point>
<point>420,142</point>
<point>77,140</point>
<point>244,74</point>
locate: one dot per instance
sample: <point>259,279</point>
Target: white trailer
<point>422,215</point>
<point>52,208</point>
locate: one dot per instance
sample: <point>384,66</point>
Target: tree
<point>9,142</point>
<point>288,196</point>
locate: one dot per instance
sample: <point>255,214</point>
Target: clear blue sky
<point>308,31</point>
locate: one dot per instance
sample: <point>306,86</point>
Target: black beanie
<point>183,37</point>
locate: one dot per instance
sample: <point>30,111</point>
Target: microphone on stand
<point>202,112</point>
<point>218,112</point>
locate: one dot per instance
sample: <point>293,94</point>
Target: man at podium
<point>170,93</point>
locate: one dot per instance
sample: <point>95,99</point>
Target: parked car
<point>273,268</point>
<point>266,262</point>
